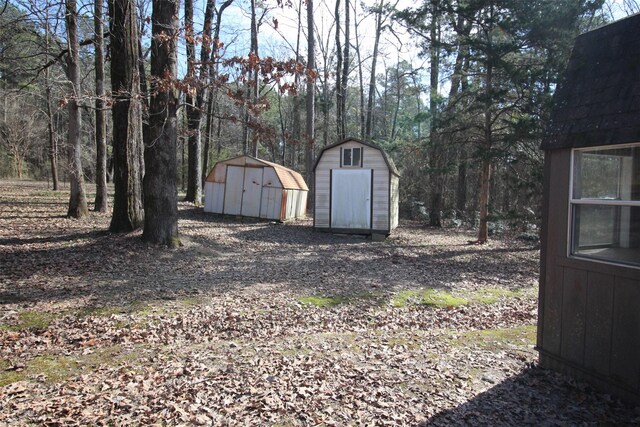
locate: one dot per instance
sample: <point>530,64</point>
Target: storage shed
<point>589,309</point>
<point>356,189</point>
<point>255,188</point>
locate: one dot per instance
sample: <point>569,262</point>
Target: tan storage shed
<point>255,188</point>
<point>356,189</point>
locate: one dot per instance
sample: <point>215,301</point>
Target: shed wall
<point>589,322</point>
<point>372,159</point>
<point>395,201</point>
<point>261,187</point>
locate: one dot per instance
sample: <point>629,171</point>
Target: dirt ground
<point>260,323</point>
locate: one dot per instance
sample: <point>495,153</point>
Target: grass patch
<point>31,320</point>
<point>500,339</point>
<point>440,298</point>
<point>432,297</point>
<point>491,296</point>
<point>322,301</point>
<point>57,368</point>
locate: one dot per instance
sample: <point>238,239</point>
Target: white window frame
<point>594,202</point>
<point>359,164</point>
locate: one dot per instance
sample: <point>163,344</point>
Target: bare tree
<point>160,186</point>
<point>311,71</point>
<point>128,213</point>
<point>101,201</point>
<point>77,197</point>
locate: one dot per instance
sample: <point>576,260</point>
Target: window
<point>605,204</point>
<point>352,157</point>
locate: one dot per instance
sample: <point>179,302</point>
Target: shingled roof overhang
<point>598,101</point>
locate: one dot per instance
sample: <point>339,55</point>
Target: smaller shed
<point>589,316</point>
<point>356,189</point>
<point>256,188</point>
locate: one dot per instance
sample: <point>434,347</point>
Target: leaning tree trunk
<point>128,213</point>
<point>101,201</point>
<point>77,199</point>
<point>160,187</point>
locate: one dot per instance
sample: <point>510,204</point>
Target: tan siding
<point>395,196</point>
<point>323,172</point>
<point>381,197</point>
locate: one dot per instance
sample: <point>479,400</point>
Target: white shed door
<point>252,192</point>
<point>233,190</point>
<point>351,198</point>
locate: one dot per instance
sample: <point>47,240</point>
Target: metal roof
<point>598,101</point>
<point>290,179</point>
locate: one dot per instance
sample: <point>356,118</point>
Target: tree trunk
<point>361,80</point>
<point>77,198</point>
<point>160,192</point>
<point>194,112</point>
<point>254,90</point>
<point>339,92</point>
<point>372,79</point>
<point>101,201</point>
<point>435,152</point>
<point>53,146</point>
<point>311,65</point>
<point>345,70</point>
<point>212,72</point>
<point>128,213</point>
<point>485,170</point>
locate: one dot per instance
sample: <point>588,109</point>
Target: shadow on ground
<point>536,397</point>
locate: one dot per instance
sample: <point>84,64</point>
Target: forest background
<point>456,91</point>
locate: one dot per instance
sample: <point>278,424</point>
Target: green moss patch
<point>500,339</point>
<point>31,320</point>
<point>323,301</point>
<point>432,297</point>
<point>441,298</point>
<point>57,368</point>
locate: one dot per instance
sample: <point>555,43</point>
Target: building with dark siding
<point>589,311</point>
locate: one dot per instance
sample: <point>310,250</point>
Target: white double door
<point>351,198</point>
<point>243,191</point>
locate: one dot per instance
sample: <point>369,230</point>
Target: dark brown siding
<point>589,322</point>
<point>599,319</point>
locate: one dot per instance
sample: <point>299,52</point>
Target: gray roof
<point>598,101</point>
<point>388,160</point>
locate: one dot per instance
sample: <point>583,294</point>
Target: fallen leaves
<point>216,332</point>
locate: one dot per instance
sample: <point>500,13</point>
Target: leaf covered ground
<point>258,323</point>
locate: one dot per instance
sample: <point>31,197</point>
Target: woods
<point>456,91</point>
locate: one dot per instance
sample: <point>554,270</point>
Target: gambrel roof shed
<point>356,189</point>
<point>248,186</point>
<point>589,321</point>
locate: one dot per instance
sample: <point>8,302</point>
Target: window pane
<point>346,157</point>
<point>607,232</point>
<point>356,156</point>
<point>609,174</point>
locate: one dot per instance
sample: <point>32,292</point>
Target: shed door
<point>233,190</point>
<point>252,192</point>
<point>351,198</point>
